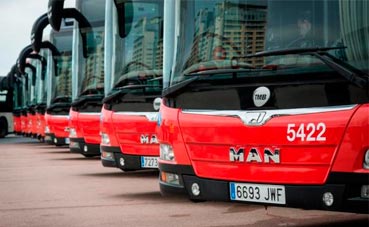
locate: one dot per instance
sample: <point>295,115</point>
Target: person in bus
<point>305,36</point>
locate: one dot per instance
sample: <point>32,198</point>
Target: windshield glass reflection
<point>138,58</point>
<point>62,80</point>
<point>212,33</point>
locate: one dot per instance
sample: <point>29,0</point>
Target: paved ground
<point>42,185</point>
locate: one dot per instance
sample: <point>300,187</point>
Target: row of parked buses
<point>232,100</point>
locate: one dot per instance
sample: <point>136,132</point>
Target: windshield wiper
<point>289,51</point>
<point>347,71</point>
<point>124,90</point>
<point>207,73</point>
<point>92,91</point>
<point>179,86</point>
<point>352,74</point>
<point>95,97</point>
<point>211,72</point>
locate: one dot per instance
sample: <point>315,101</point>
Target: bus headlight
<point>105,139</point>
<point>72,132</point>
<point>166,152</point>
<point>365,191</point>
<point>366,159</point>
<point>170,178</point>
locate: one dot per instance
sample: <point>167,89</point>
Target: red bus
<point>38,92</point>
<point>29,74</point>
<point>134,51</point>
<point>17,99</point>
<point>6,104</point>
<point>88,81</point>
<point>59,89</point>
<point>267,102</point>
<point>88,74</point>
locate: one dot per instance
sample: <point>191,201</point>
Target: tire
<point>3,127</point>
<point>88,155</point>
<point>197,200</point>
<point>127,170</point>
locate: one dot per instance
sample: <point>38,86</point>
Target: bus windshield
<point>62,79</point>
<point>17,98</point>
<point>30,95</point>
<point>91,75</point>
<point>138,58</point>
<point>212,33</point>
<point>42,80</point>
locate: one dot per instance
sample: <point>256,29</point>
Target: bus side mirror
<point>21,62</point>
<point>125,16</point>
<point>157,103</point>
<point>55,13</point>
<point>37,31</point>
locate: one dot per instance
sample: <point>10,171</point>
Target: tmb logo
<point>261,96</point>
<point>255,155</point>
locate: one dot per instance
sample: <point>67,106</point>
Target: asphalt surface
<point>41,185</point>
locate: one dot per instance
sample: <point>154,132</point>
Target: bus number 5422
<point>306,132</point>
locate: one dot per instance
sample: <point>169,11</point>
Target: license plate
<point>149,162</point>
<point>261,193</point>
<point>67,141</point>
<point>48,138</point>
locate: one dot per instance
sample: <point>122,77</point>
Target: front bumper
<point>78,145</point>
<point>51,139</point>
<point>346,188</point>
<point>131,162</point>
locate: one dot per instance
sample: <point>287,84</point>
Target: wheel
<point>88,155</point>
<point>127,170</point>
<point>3,128</point>
<point>197,200</point>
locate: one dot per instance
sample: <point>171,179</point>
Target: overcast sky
<point>17,17</point>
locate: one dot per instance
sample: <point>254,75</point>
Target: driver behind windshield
<point>304,30</point>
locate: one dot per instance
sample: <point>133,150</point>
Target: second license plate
<point>149,162</point>
<point>262,193</point>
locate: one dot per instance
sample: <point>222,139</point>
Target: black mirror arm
<point>37,31</point>
<point>22,58</point>
<point>33,69</point>
<point>51,47</point>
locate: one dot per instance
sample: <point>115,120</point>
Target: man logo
<point>148,139</point>
<point>254,155</point>
<point>261,96</point>
<point>236,155</point>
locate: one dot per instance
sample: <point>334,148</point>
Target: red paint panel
<point>128,130</point>
<point>58,124</point>
<point>90,127</point>
<point>73,123</point>
<point>355,143</point>
<point>41,124</point>
<point>17,123</point>
<point>107,126</point>
<point>207,141</point>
